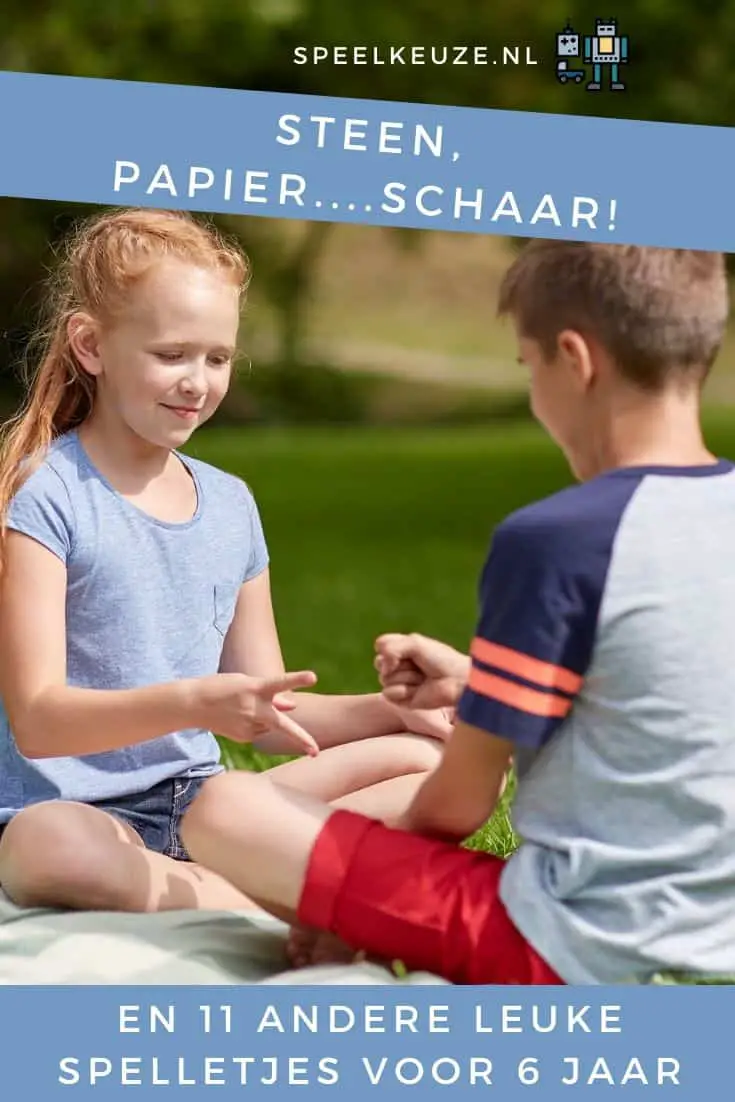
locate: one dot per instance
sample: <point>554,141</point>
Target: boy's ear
<point>575,353</point>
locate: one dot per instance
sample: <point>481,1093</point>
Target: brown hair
<point>660,313</point>
<point>101,261</point>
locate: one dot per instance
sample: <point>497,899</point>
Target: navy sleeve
<point>540,596</point>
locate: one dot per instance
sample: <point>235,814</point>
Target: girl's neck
<point>119,453</point>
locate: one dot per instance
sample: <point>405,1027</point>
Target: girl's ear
<point>83,336</point>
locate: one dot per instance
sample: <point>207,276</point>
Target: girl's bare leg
<point>259,835</point>
<point>75,856</point>
<point>357,767</point>
<point>256,834</point>
<point>72,856</point>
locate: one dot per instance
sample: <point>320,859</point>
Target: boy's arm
<point>463,791</point>
<point>531,648</point>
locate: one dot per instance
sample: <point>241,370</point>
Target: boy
<point>602,665</point>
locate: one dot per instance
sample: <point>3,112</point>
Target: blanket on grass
<point>175,947</point>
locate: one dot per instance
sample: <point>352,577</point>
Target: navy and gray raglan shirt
<point>605,652</point>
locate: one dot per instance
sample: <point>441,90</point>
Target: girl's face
<point>164,365</point>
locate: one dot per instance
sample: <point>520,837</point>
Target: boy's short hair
<point>660,313</point>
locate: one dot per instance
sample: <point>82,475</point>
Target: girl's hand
<point>245,708</point>
<point>436,723</point>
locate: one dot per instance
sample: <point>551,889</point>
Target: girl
<point>136,614</point>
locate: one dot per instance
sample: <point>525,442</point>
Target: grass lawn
<point>374,530</point>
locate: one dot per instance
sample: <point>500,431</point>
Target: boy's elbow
<point>465,825</point>
<point>445,821</point>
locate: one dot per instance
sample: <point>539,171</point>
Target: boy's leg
<point>388,893</point>
<point>376,777</point>
<point>77,857</point>
<point>380,801</point>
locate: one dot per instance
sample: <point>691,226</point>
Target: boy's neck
<point>648,431</point>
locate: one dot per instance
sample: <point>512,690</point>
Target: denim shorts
<point>156,815</point>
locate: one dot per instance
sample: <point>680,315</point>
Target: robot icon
<point>606,48</point>
<point>567,43</point>
<point>568,47</point>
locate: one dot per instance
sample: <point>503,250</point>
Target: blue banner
<point>389,164</point>
<point>543,1043</point>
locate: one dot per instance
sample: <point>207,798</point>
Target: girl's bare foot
<point>307,946</point>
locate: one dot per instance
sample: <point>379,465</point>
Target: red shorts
<point>432,905</point>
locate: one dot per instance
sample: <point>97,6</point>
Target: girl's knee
<point>414,753</point>
<point>50,849</point>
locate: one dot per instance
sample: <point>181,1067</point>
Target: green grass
<point>374,530</point>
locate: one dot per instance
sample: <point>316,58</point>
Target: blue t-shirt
<point>147,602</point>
<point>604,652</point>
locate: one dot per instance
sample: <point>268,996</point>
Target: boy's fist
<point>418,672</point>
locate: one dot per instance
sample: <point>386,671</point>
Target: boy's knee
<point>46,850</point>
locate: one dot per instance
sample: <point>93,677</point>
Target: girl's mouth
<point>185,412</point>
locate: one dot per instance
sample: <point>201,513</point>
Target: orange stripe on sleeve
<point>522,665</point>
<point>517,696</point>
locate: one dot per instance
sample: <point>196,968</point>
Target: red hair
<point>102,260</point>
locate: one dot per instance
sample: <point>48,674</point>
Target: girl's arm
<point>49,718</point>
<point>252,647</point>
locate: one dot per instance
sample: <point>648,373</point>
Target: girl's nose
<point>194,381</point>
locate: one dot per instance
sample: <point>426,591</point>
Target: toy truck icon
<point>564,73</point>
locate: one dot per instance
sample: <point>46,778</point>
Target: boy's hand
<point>245,708</point>
<point>420,673</point>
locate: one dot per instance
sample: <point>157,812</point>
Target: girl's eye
<point>169,357</point>
<point>219,361</point>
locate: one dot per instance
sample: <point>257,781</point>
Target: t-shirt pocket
<point>225,599</point>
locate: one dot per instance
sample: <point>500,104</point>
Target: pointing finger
<point>296,732</point>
